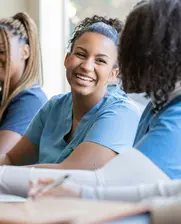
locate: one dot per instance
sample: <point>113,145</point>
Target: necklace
<point>76,121</point>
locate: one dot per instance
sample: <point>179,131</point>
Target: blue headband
<point>104,29</point>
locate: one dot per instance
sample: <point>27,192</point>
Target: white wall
<point>53,33</point>
<point>10,7</point>
<point>33,10</point>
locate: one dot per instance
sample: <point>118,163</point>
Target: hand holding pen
<point>54,188</point>
<point>45,185</point>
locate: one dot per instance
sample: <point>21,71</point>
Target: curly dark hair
<point>150,49</point>
<point>87,25</point>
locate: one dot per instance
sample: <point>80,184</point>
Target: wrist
<point>75,189</point>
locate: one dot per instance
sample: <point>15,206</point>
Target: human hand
<point>67,189</point>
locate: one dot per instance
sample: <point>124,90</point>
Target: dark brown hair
<point>150,49</point>
<point>107,26</point>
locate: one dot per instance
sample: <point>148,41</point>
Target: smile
<point>84,78</point>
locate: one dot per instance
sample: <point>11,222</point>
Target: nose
<point>88,65</point>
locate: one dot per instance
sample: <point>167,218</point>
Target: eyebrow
<point>99,55</point>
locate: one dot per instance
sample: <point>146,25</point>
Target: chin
<point>80,91</point>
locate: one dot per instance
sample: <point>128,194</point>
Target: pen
<point>57,182</point>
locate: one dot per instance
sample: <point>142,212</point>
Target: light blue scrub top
<point>159,137</point>
<point>112,122</point>
<point>21,110</point>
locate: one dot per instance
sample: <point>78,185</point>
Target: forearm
<point>47,166</point>
<point>24,153</point>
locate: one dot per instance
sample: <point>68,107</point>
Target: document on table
<point>11,198</point>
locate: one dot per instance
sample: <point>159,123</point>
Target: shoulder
<point>22,109</point>
<point>167,120</point>
<point>170,114</point>
<point>57,102</point>
<point>27,100</point>
<point>31,95</point>
<point>165,124</point>
<point>161,143</point>
<point>61,100</point>
<point>118,100</point>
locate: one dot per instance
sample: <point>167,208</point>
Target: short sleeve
<point>21,111</point>
<point>115,128</point>
<point>35,128</point>
<point>162,144</point>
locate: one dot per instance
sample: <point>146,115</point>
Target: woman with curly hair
<point>73,130</point>
<point>150,61</point>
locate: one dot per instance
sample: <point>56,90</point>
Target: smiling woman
<point>73,131</point>
<point>88,62</point>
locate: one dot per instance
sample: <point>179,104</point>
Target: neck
<point>82,104</point>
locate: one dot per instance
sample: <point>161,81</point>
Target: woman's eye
<point>101,61</point>
<point>80,55</point>
<point>2,52</point>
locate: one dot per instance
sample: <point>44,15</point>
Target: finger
<point>37,185</point>
<point>35,190</point>
<point>45,181</point>
<point>33,183</point>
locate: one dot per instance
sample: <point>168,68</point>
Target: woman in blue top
<point>150,62</point>
<point>87,127</point>
<point>20,78</point>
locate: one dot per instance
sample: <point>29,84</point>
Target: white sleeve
<point>128,168</point>
<point>135,193</point>
<point>132,174</point>
<point>15,179</point>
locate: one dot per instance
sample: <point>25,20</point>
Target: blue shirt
<point>112,122</point>
<point>22,109</point>
<point>159,137</point>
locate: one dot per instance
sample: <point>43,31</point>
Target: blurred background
<point>56,20</point>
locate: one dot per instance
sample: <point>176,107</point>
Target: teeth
<point>84,78</point>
